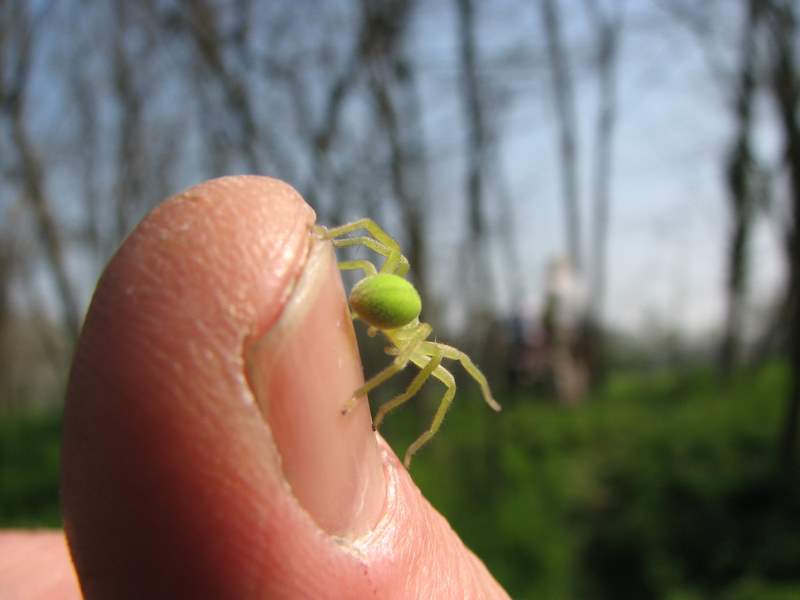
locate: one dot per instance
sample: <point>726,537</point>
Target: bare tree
<point>564,101</point>
<point>339,81</point>
<point>741,188</point>
<point>608,32</point>
<point>224,56</point>
<point>131,146</point>
<point>8,261</point>
<point>89,161</point>
<point>781,19</point>
<point>477,149</point>
<point>391,81</point>
<point>19,30</point>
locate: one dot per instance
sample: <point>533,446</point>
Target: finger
<point>36,565</point>
<point>170,475</point>
<point>204,453</point>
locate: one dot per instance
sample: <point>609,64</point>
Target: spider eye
<point>385,301</point>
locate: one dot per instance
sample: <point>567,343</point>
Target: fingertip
<point>163,446</point>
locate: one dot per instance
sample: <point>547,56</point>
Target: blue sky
<point>669,212</point>
<point>669,215</point>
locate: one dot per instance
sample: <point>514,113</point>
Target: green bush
<point>659,486</point>
<point>29,467</point>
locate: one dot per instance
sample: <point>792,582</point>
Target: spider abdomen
<point>385,301</point>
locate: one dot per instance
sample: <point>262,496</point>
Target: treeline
<point>108,107</point>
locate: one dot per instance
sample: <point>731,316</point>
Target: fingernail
<point>302,372</point>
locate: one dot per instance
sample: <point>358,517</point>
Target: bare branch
<point>564,101</point>
<point>17,45</point>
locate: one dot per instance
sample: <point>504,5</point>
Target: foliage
<point>660,486</point>
<point>29,466</point>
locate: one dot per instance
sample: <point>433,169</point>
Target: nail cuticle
<point>365,543</point>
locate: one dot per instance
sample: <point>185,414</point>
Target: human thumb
<point>205,454</point>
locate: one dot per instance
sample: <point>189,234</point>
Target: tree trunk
<point>390,77</point>
<point>786,92</point>
<point>130,150</point>
<point>739,173</point>
<point>608,31</point>
<point>17,45</point>
<point>477,275</point>
<point>564,100</point>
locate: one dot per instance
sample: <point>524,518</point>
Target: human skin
<point>205,454</point>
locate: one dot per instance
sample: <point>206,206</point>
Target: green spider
<point>390,304</point>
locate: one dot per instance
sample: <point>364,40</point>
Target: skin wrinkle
<point>424,562</point>
<point>233,491</point>
<point>279,249</point>
<point>369,542</point>
<point>145,291</point>
<point>233,306</point>
<point>395,531</point>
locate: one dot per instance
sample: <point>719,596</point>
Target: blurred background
<point>600,203</point>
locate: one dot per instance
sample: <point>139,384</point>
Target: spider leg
<point>428,365</point>
<point>395,367</point>
<point>385,244</point>
<point>352,265</point>
<point>398,364</point>
<point>362,240</point>
<point>371,226</point>
<point>469,366</point>
<point>447,378</point>
<point>395,261</point>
